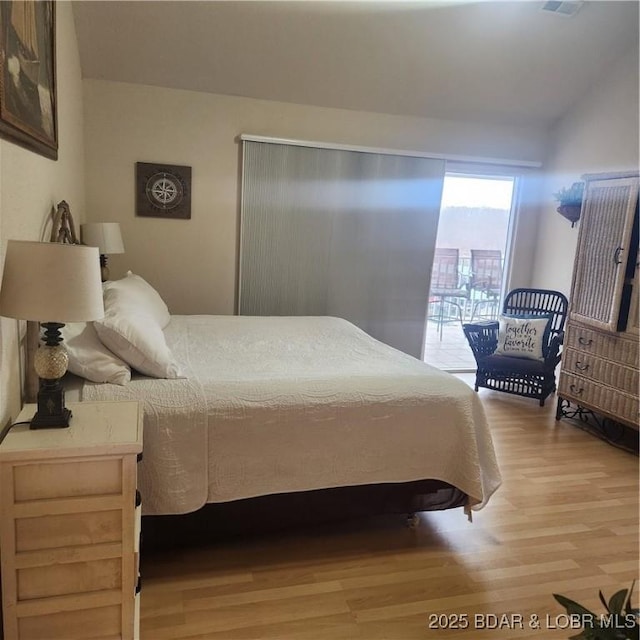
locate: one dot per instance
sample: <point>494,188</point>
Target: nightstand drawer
<point>68,530</point>
<point>67,479</point>
<point>69,578</point>
<point>84,624</point>
<point>612,374</point>
<point>596,395</point>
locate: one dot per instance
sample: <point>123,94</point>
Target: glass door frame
<point>489,172</point>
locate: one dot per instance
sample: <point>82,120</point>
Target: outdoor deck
<point>452,352</point>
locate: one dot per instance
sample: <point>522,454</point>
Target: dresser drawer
<point>609,346</point>
<point>593,395</point>
<point>612,374</point>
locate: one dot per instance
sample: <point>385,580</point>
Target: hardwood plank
<point>198,603</point>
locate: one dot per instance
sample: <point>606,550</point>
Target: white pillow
<point>139,341</point>
<point>89,358</point>
<point>522,337</point>
<point>133,294</point>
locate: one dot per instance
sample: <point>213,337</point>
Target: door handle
<point>616,255</point>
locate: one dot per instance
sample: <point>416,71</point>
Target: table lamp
<point>107,237</point>
<point>56,283</point>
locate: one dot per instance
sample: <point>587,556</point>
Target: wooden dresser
<point>600,357</point>
<point>69,535</point>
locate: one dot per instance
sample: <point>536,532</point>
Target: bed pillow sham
<point>89,358</point>
<point>523,336</point>
<point>140,342</point>
<point>133,294</point>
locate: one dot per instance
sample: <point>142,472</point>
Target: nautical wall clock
<point>163,190</point>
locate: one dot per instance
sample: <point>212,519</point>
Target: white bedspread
<point>275,405</point>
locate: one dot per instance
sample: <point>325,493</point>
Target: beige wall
<point>599,134</point>
<point>193,263</point>
<point>31,185</point>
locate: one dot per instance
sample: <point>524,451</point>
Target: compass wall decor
<point>163,190</point>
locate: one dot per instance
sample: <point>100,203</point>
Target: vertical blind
<point>339,233</point>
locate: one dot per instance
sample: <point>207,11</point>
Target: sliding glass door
<point>470,261</point>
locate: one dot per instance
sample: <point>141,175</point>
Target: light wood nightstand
<point>69,533</point>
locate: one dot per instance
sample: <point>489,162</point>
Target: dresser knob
<point>573,390</point>
<point>581,367</point>
<point>585,342</point>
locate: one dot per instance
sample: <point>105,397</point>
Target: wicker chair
<point>521,376</point>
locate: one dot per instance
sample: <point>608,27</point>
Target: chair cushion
<point>509,364</point>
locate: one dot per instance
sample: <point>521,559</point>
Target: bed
<point>265,407</point>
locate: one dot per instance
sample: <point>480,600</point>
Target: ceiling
<point>493,62</point>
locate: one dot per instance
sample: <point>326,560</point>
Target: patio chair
<point>445,287</point>
<point>486,281</point>
<point>531,378</point>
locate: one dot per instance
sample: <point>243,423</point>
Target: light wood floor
<point>565,521</point>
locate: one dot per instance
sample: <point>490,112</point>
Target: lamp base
<point>104,269</point>
<point>46,421</point>
<point>51,413</point>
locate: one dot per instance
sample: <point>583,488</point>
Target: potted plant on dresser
<point>570,199</point>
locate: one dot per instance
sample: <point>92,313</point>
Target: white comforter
<point>281,404</point>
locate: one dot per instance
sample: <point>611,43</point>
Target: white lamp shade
<point>104,235</point>
<point>51,282</point>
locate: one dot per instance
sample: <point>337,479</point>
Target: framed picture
<point>28,114</point>
<point>163,190</point>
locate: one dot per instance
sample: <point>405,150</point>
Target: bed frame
<point>271,514</point>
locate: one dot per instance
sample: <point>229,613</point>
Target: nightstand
<point>69,534</point>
